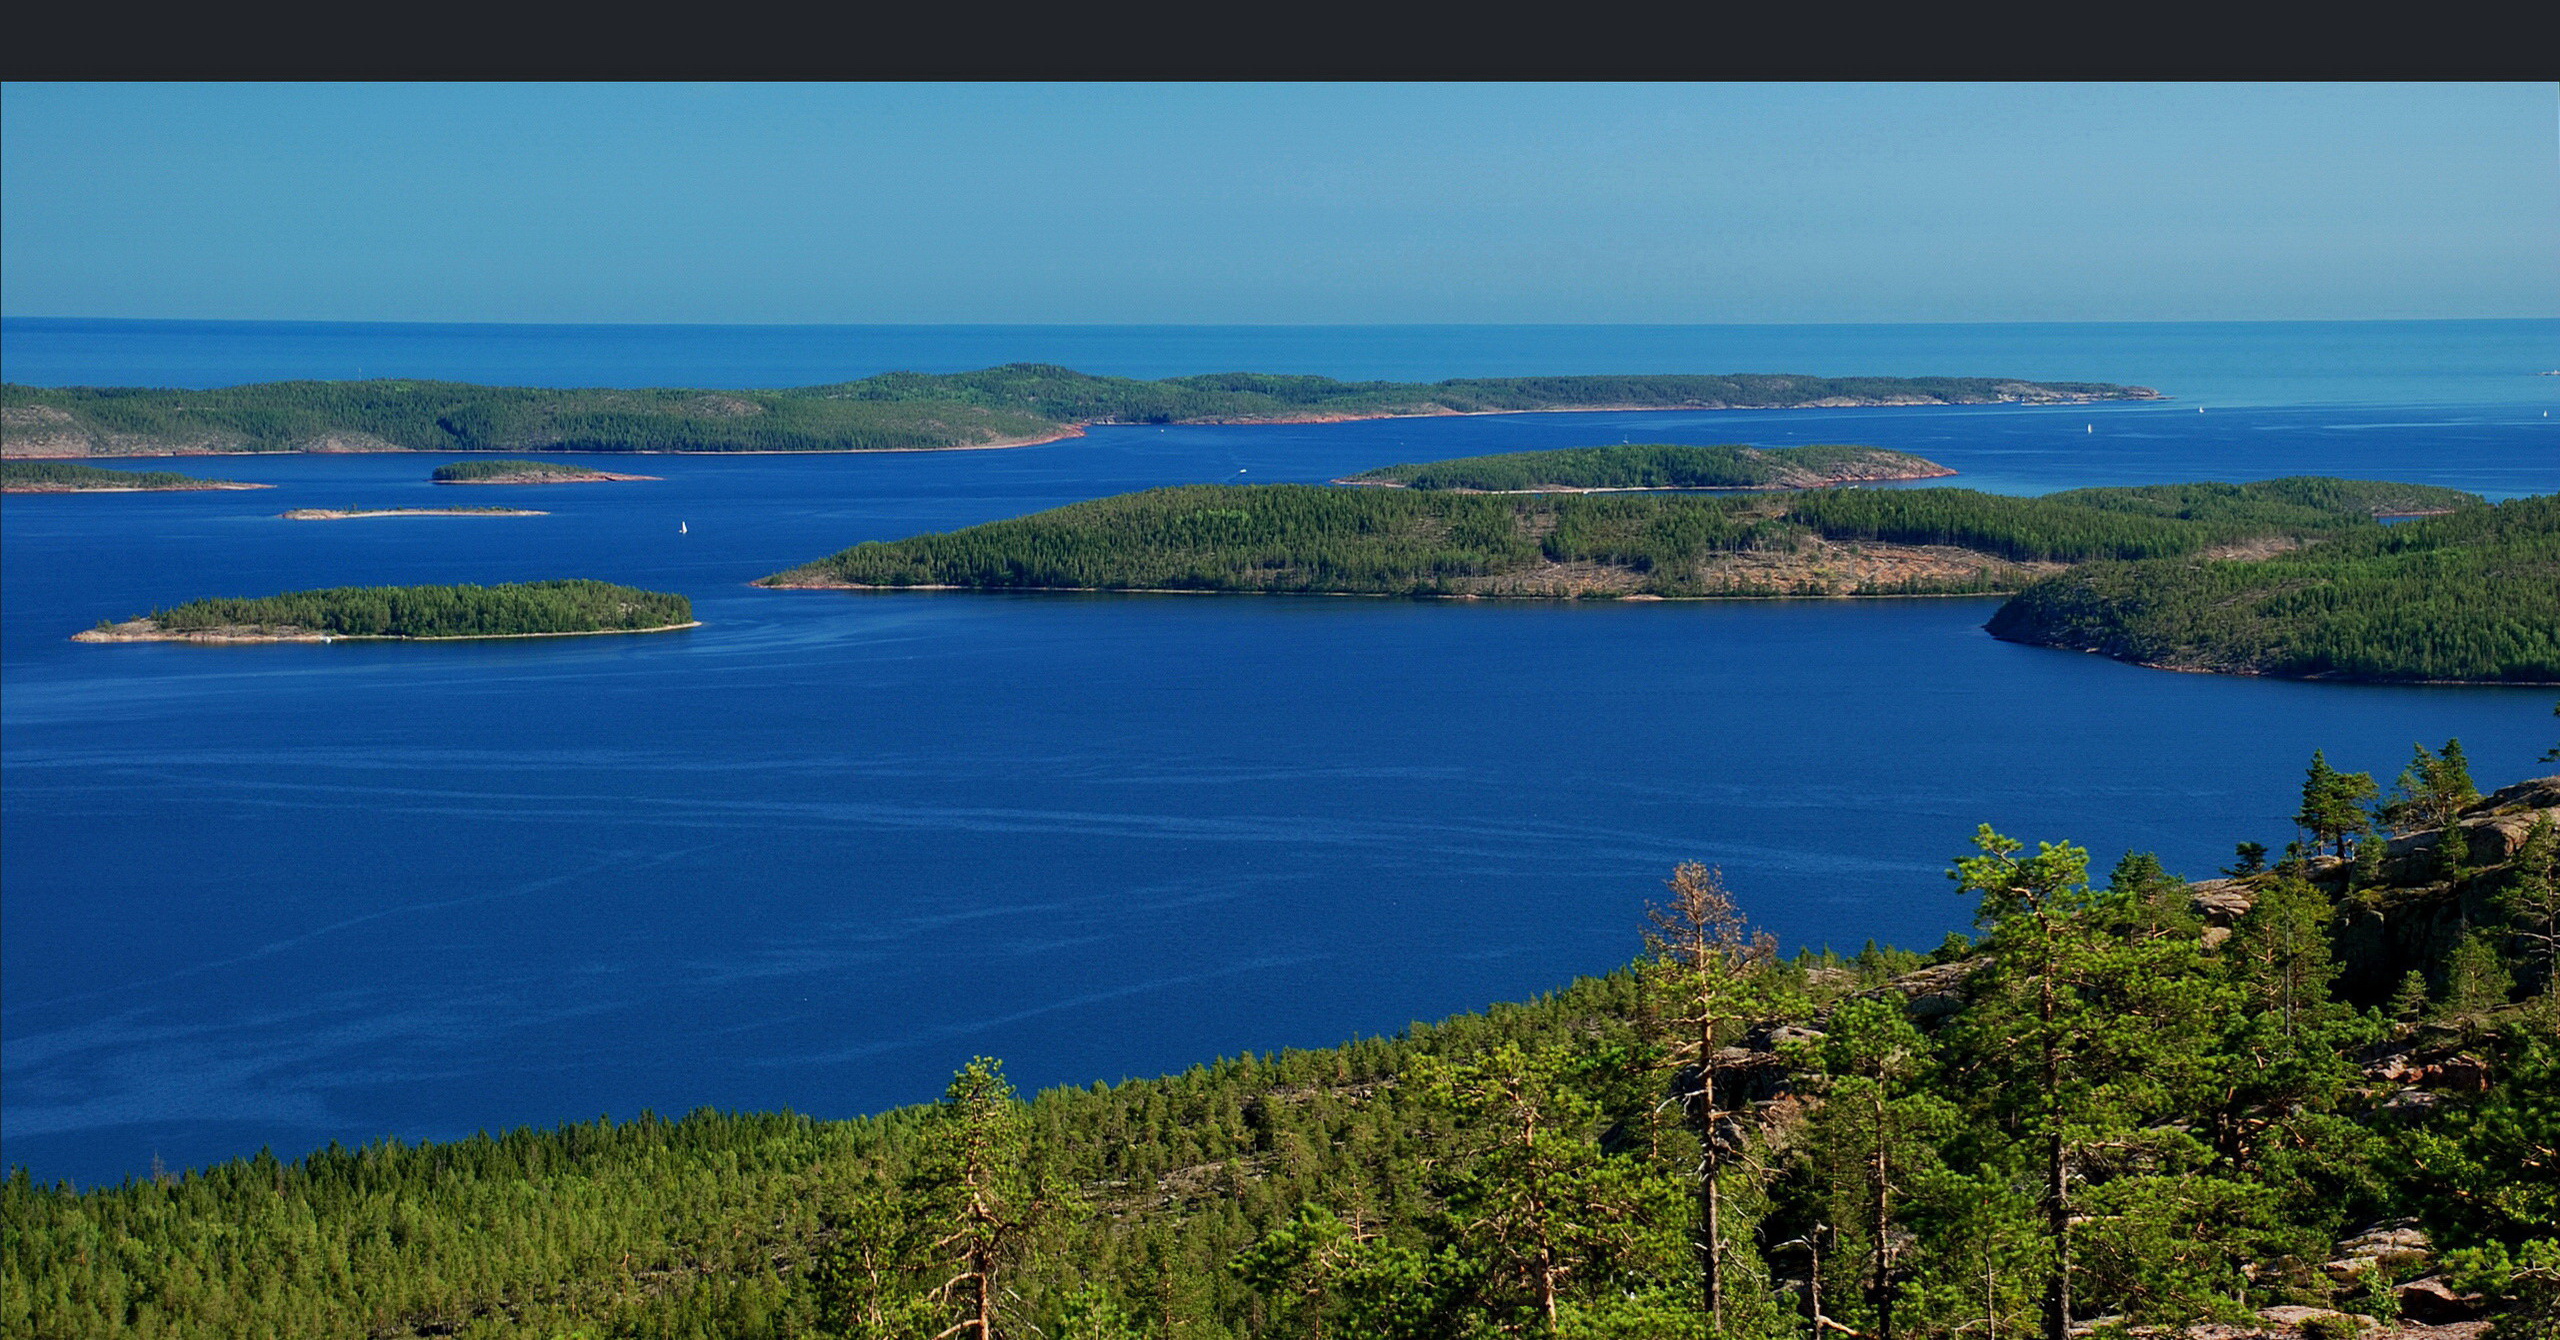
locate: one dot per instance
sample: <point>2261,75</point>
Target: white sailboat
<point>680,530</point>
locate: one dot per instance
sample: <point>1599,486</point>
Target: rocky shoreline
<point>347,514</point>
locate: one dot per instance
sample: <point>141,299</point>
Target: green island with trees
<point>524,472</point>
<point>1312,538</point>
<point>509,609</point>
<point>2469,597</point>
<point>1016,404</point>
<point>73,477</point>
<point>2318,1098</point>
<point>2296,577</point>
<point>1653,465</point>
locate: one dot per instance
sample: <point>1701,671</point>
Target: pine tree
<point>2333,803</point>
<point>2082,1027</point>
<point>860,1274</point>
<point>2476,980</point>
<point>2432,790</point>
<point>1318,1270</point>
<point>1530,1192</point>
<point>1709,965</point>
<point>2316,785</point>
<point>2371,847</point>
<point>2280,1064</point>
<point>1876,1132</point>
<point>2409,1000</point>
<point>2531,900</point>
<point>974,1190</point>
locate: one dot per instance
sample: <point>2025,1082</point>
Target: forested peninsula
<point>2470,597</point>
<point>69,477</point>
<point>1656,466</point>
<point>1414,542</point>
<point>1012,405</point>
<point>512,609</point>
<point>524,472</point>
<point>2310,1099</point>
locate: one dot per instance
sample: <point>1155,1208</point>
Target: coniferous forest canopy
<point>70,475</point>
<point>898,410</point>
<point>2286,576</point>
<point>1311,538</point>
<point>507,609</point>
<point>1658,466</point>
<point>2332,1081</point>
<point>2472,596</point>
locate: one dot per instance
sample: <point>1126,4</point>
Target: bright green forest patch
<point>1303,538</point>
<point>74,476</point>
<point>2281,501</point>
<point>509,609</point>
<point>1658,466</point>
<point>2472,596</point>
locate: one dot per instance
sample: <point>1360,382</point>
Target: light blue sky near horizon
<point>1279,204</point>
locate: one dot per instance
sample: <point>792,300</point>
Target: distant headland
<point>1015,405</point>
<point>416,613</point>
<point>2469,596</point>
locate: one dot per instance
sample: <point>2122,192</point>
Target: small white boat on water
<point>680,530</point>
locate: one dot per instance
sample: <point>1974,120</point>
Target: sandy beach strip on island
<point>341,514</point>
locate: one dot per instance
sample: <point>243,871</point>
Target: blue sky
<point>1298,203</point>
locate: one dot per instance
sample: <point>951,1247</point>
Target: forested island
<point>1412,542</point>
<point>2469,597</point>
<point>1656,466</point>
<point>1013,405</point>
<point>71,477</point>
<point>2294,577</point>
<point>2312,1099</point>
<point>524,472</point>
<point>510,609</point>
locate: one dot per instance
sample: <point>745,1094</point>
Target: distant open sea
<point>822,850</point>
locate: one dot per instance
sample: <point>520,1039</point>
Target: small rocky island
<point>351,513</point>
<point>70,477</point>
<point>420,613</point>
<point>525,472</point>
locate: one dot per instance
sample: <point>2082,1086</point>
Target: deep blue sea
<point>822,850</point>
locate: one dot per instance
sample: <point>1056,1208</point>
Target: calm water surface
<point>823,849</point>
